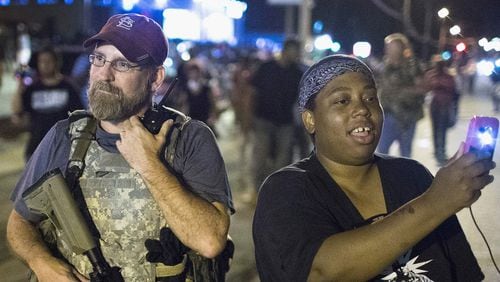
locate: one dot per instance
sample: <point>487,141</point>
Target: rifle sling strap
<point>173,137</point>
<point>80,142</point>
<point>82,137</point>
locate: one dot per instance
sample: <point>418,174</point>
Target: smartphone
<point>482,136</point>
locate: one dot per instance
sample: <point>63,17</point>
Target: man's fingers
<point>164,128</point>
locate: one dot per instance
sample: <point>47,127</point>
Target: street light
<point>454,30</point>
<point>442,14</point>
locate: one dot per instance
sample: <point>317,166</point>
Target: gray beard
<point>116,106</point>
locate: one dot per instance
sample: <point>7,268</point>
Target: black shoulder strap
<point>181,120</point>
<point>81,133</point>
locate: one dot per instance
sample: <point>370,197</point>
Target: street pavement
<point>230,141</point>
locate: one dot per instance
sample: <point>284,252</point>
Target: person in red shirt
<point>443,106</point>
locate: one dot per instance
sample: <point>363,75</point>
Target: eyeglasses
<point>118,65</point>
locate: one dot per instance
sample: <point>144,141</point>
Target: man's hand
<point>51,269</point>
<point>138,146</point>
<point>25,241</point>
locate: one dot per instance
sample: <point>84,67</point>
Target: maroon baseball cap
<point>138,37</point>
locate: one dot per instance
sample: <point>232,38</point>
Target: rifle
<point>51,198</point>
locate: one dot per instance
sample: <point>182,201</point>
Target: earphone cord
<point>485,241</point>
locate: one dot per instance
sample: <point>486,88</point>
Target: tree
<point>404,15</point>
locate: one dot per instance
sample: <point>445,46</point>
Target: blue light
<point>68,2</point>
<point>318,26</point>
<point>4,2</point>
<point>101,2</point>
<point>46,2</point>
<point>336,46</point>
<point>446,55</point>
<point>485,136</point>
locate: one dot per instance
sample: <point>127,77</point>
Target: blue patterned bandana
<point>325,70</point>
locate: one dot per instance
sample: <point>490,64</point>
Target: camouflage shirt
<point>399,94</point>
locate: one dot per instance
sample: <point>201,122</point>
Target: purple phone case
<point>482,136</point>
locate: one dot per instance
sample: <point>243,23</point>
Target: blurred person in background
<point>401,94</point>
<point>80,70</point>
<point>242,97</point>
<point>198,95</point>
<point>465,67</point>
<point>47,100</point>
<point>443,105</point>
<point>1,67</point>
<point>495,79</point>
<point>276,90</point>
<point>23,75</point>
<point>23,50</point>
<point>80,76</point>
<point>2,61</point>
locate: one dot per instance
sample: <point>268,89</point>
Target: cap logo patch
<point>125,23</point>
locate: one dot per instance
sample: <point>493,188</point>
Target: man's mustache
<point>105,86</point>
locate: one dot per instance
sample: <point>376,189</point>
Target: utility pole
<point>304,20</point>
<point>305,25</point>
<point>87,16</point>
<point>443,14</point>
<point>289,20</point>
<point>428,6</point>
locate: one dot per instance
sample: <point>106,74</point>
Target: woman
<point>347,214</point>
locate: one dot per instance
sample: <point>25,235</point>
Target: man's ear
<point>308,121</point>
<point>158,78</point>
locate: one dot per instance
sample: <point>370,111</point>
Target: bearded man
<point>129,190</point>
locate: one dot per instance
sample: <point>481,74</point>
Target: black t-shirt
<point>199,103</point>
<point>47,104</point>
<point>277,89</point>
<point>301,205</point>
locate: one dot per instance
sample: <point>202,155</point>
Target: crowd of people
<point>233,79</point>
<point>330,202</point>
